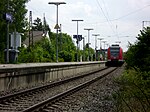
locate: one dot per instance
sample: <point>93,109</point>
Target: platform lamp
<point>88,29</point>
<point>95,43</point>
<point>57,26</point>
<point>77,20</point>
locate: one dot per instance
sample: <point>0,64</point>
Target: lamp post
<point>57,26</point>
<point>7,51</point>
<point>104,43</point>
<point>104,48</point>
<point>107,45</point>
<point>77,20</point>
<point>95,43</point>
<point>101,57</point>
<point>88,29</point>
<point>83,48</point>
<point>100,42</point>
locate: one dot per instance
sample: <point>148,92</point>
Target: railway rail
<point>36,98</point>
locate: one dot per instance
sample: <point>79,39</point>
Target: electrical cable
<point>130,13</point>
<point>109,22</point>
<point>121,17</point>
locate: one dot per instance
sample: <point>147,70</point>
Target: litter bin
<point>13,55</point>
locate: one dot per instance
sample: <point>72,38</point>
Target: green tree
<point>88,51</point>
<point>138,55</point>
<point>37,25</point>
<point>18,10</point>
<point>66,48</point>
<point>134,92</point>
<point>42,51</point>
<point>3,9</point>
<point>45,50</point>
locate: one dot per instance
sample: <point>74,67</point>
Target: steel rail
<point>51,100</point>
<point>9,96</point>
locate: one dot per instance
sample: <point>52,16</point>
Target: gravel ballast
<point>98,97</point>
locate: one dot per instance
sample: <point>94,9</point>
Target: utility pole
<point>77,37</point>
<point>30,30</point>
<point>88,29</point>
<point>95,43</point>
<point>44,24</point>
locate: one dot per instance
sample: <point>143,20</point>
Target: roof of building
<point>37,36</point>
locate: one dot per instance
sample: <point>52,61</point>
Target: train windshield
<point>114,51</point>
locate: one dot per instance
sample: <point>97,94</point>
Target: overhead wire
<point>121,17</point>
<point>107,18</point>
<point>106,15</point>
<point>131,13</point>
<point>105,9</point>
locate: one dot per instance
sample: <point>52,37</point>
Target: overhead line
<point>106,9</point>
<point>131,13</point>
<point>110,24</point>
<point>124,15</point>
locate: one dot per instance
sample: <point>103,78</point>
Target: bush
<point>134,93</point>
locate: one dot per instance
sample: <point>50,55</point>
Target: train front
<point>114,56</point>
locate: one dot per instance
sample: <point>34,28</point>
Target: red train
<point>114,56</point>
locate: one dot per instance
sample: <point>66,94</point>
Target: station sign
<point>78,37</point>
<point>8,17</point>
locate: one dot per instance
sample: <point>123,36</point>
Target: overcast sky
<point>114,20</point>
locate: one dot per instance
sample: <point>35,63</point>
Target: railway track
<point>35,99</point>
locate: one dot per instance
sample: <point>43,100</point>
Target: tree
<point>18,11</point>
<point>66,48</point>
<point>2,29</point>
<point>138,55</point>
<point>37,25</point>
<point>88,51</point>
<point>45,50</point>
<point>42,51</point>
<point>134,83</point>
